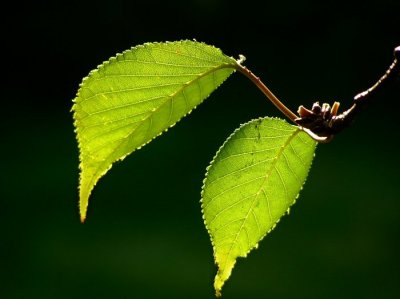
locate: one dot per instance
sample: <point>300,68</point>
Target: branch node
<point>323,122</point>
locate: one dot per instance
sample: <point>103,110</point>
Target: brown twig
<point>325,122</point>
<point>322,123</point>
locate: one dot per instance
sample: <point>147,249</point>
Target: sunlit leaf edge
<point>218,291</point>
<point>99,68</point>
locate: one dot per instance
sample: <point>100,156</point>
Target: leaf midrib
<point>258,192</point>
<point>168,98</point>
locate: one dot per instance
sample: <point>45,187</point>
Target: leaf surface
<point>253,180</point>
<point>135,96</point>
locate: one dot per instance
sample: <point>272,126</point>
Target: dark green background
<point>144,237</point>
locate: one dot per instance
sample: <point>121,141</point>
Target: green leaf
<point>251,183</point>
<point>135,96</point>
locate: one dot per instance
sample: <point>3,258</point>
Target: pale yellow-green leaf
<point>135,96</point>
<point>253,180</point>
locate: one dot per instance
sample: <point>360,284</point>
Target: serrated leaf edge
<point>99,68</point>
<point>218,292</point>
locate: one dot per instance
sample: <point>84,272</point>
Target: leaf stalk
<point>322,123</point>
<point>268,93</point>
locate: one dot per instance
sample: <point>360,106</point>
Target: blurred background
<point>144,236</point>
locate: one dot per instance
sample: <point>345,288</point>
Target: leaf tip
<point>218,283</point>
<point>82,211</point>
<point>83,203</point>
<point>224,272</point>
<point>83,218</point>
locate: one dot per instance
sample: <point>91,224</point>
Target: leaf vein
<point>109,131</point>
<point>238,170</point>
<point>187,55</point>
<point>261,188</point>
<point>283,183</point>
<point>227,224</point>
<point>297,155</point>
<point>122,106</point>
<point>229,207</point>
<point>269,208</point>
<point>290,168</point>
<point>106,161</point>
<point>256,220</point>
<point>261,137</point>
<point>128,90</point>
<point>247,153</point>
<point>168,64</point>
<point>110,122</point>
<point>230,189</point>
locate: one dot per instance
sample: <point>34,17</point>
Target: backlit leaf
<point>135,96</point>
<point>253,180</point>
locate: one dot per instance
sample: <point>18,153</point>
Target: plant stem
<point>360,100</point>
<point>390,74</point>
<point>265,90</point>
<point>323,123</point>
